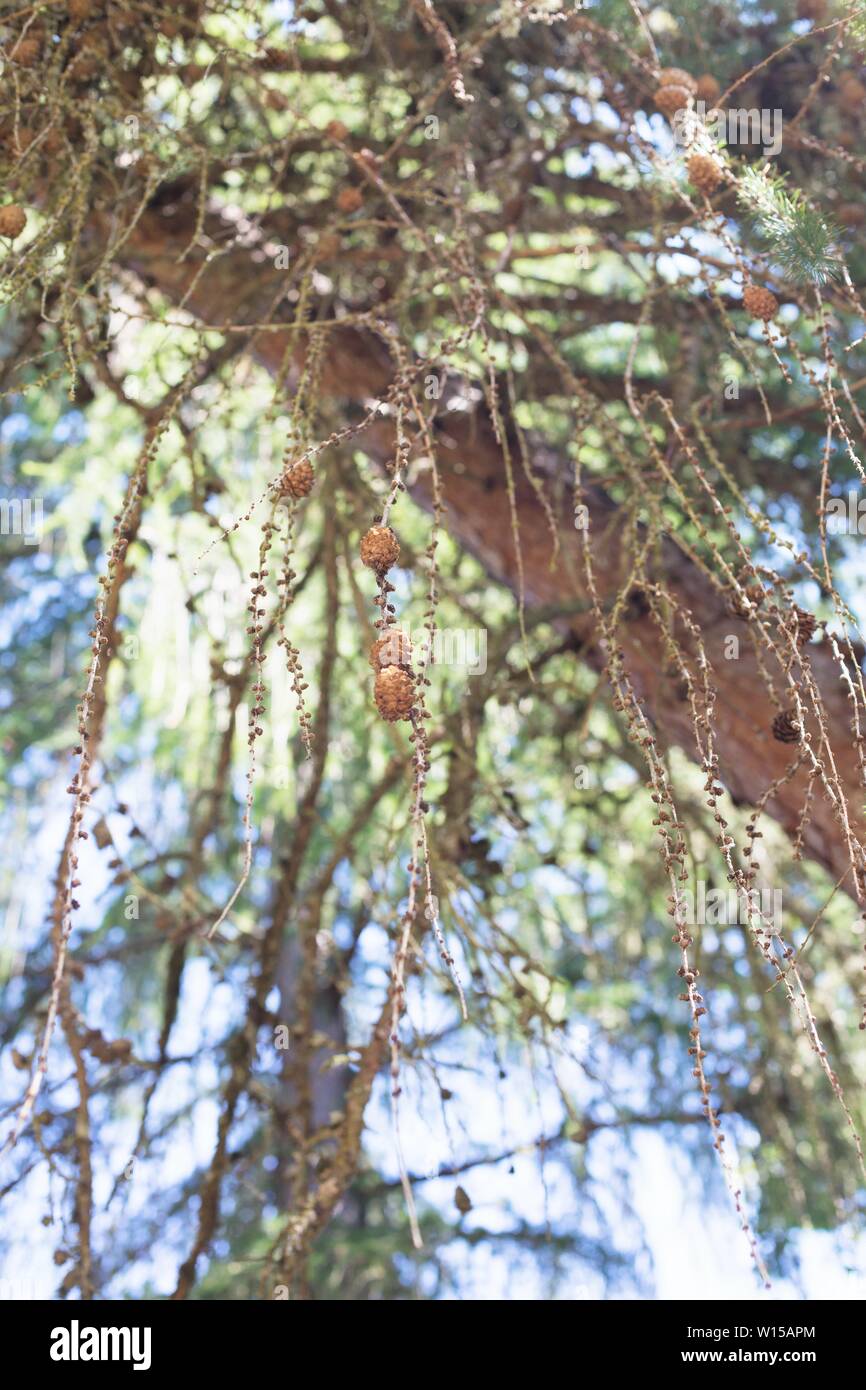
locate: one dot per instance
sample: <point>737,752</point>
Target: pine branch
<point>802,240</point>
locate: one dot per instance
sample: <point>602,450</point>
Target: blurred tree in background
<point>365,907</point>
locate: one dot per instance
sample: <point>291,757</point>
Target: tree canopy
<point>432,696</point>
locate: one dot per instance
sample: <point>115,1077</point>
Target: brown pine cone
<point>802,625</point>
<point>80,9</point>
<point>785,727</point>
<point>337,130</point>
<point>704,172</point>
<point>746,605</point>
<point>393,648</point>
<point>298,480</point>
<point>13,220</point>
<point>462,1200</point>
<point>25,52</point>
<point>276,59</point>
<point>672,99</point>
<point>760,303</point>
<point>394,693</point>
<point>678,77</point>
<point>708,89</point>
<point>94,1041</point>
<point>349,199</point>
<point>756,593</point>
<point>380,548</point>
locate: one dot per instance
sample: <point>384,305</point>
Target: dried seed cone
<point>80,9</point>
<point>760,303</point>
<point>25,52</point>
<point>275,59</point>
<point>708,89</point>
<point>752,598</point>
<point>298,480</point>
<point>350,199</point>
<point>393,648</point>
<point>812,9</point>
<point>672,99</point>
<point>394,693</point>
<point>802,625</point>
<point>105,1049</point>
<point>704,172</point>
<point>380,548</point>
<point>756,594</point>
<point>785,727</point>
<point>13,220</point>
<point>678,77</point>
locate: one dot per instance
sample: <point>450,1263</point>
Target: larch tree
<point>434,721</point>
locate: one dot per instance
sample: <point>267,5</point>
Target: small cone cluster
<point>670,100</point>
<point>708,89</point>
<point>13,220</point>
<point>298,480</point>
<point>802,625</point>
<point>106,1049</point>
<point>785,727</point>
<point>747,605</point>
<point>676,91</point>
<point>350,199</point>
<point>25,52</point>
<point>394,693</point>
<point>705,173</point>
<point>391,654</point>
<point>393,648</point>
<point>678,77</point>
<point>380,549</point>
<point>760,303</point>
